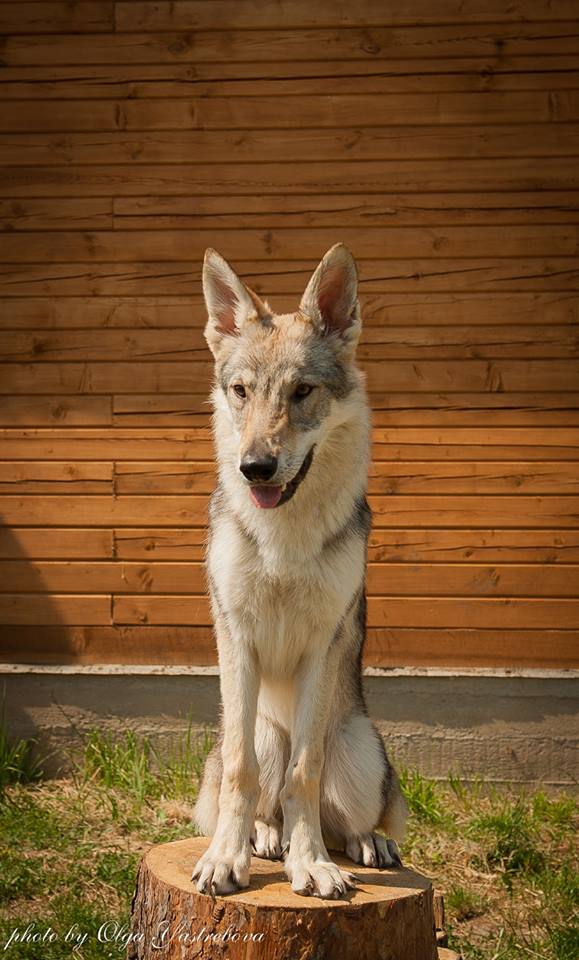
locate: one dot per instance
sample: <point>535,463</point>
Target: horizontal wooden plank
<point>51,16</point>
<point>385,478</point>
<point>390,511</point>
<point>463,510</point>
<point>169,610</point>
<point>368,242</point>
<point>417,612</point>
<point>103,511</point>
<point>108,644</point>
<point>476,580</point>
<point>424,376</point>
<point>118,576</point>
<point>192,444</point>
<point>438,580</point>
<point>76,213</point>
<point>178,477</point>
<point>54,313</point>
<point>471,478</point>
<point>474,174</point>
<point>150,410</point>
<point>547,546</point>
<point>295,112</point>
<point>464,647</point>
<point>150,543</point>
<point>454,342</point>
<point>397,310</point>
<point>267,146</point>
<point>457,342</point>
<point>388,410</point>
<point>470,612</point>
<point>333,210</point>
<point>180,81</point>
<point>230,77</point>
<point>99,378</point>
<point>55,411</point>
<point>39,608</point>
<point>114,345</point>
<point>551,546</point>
<point>480,436</point>
<point>456,409</point>
<point>47,543</point>
<point>391,276</point>
<point>492,41</point>
<point>18,477</point>
<point>291,14</point>
<point>105,444</point>
<point>544,546</point>
<point>385,647</point>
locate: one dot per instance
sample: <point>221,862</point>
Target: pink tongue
<point>265,497</point>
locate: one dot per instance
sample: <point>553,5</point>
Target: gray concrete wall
<point>505,728</point>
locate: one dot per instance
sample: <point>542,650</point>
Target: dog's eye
<point>239,389</point>
<point>302,390</point>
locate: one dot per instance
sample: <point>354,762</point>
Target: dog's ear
<point>229,302</point>
<point>331,296</point>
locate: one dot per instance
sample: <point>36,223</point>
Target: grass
<point>17,759</point>
<point>506,860</point>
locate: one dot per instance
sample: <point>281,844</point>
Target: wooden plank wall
<point>440,140</point>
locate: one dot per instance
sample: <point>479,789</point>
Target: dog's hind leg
<point>359,793</point>
<point>272,747</point>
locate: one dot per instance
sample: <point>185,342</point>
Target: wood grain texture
<point>342,176</point>
<point>272,112</point>
<point>397,579</point>
<point>231,80</point>
<point>454,342</point>
<point>440,142</point>
<point>389,647</point>
<point>198,15</point>
<point>387,611</point>
<point>157,245</point>
<point>434,309</point>
<point>397,902</point>
<point>52,16</point>
<point>491,41</point>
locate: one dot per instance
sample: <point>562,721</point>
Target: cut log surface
<point>390,916</point>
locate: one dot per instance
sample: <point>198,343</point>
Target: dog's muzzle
<point>267,496</point>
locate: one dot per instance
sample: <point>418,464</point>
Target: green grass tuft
<point>123,763</point>
<point>18,760</point>
<point>510,835</point>
<point>423,797</point>
<point>464,904</point>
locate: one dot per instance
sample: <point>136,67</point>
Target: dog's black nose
<point>258,470</point>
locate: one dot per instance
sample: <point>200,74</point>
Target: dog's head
<point>282,378</point>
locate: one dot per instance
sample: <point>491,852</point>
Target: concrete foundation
<point>505,728</point>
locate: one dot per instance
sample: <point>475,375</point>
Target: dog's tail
<point>207,806</point>
<point>395,813</point>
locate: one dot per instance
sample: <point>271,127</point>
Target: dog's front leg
<point>225,864</point>
<point>307,862</point>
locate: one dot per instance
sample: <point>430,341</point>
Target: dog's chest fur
<point>281,608</point>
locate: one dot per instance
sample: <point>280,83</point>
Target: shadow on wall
<point>34,630</point>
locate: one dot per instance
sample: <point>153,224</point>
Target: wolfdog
<point>298,766</point>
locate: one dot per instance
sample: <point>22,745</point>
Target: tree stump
<point>390,916</point>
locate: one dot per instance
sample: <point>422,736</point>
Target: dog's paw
<point>319,878</point>
<point>266,839</point>
<point>373,850</point>
<point>218,872</point>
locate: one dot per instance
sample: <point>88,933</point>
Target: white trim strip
<point>146,669</point>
